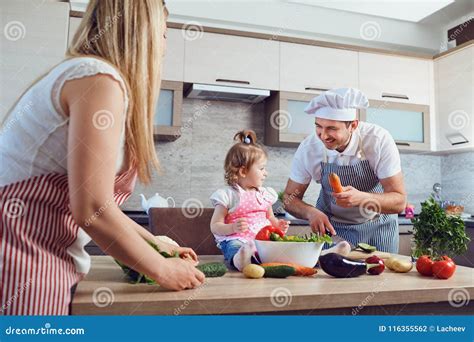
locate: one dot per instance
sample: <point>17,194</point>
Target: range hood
<point>224,93</point>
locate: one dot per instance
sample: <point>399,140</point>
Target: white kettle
<point>156,201</point>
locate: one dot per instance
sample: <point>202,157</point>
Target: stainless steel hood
<point>224,93</point>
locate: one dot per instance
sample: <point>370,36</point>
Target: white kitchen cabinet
<point>395,78</point>
<point>73,26</point>
<point>173,65</point>
<point>307,68</point>
<point>33,40</point>
<point>227,60</point>
<point>455,100</point>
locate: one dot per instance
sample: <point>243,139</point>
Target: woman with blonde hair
<point>71,149</point>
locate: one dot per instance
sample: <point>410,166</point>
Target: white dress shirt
<point>378,147</point>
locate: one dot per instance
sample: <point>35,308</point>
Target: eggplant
<point>339,266</point>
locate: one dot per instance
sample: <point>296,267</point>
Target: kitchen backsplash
<point>457,179</point>
<point>192,166</point>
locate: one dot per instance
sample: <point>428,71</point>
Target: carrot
<point>335,182</point>
<point>300,270</point>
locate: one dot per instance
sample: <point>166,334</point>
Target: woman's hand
<point>185,253</point>
<point>177,274</point>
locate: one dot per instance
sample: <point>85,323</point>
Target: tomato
<point>424,265</point>
<point>444,269</point>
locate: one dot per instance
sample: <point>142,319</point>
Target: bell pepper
<point>265,232</point>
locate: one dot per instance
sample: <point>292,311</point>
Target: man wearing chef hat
<point>365,158</point>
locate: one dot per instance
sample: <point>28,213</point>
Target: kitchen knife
<point>336,239</point>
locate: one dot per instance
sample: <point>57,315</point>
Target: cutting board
<point>361,255</point>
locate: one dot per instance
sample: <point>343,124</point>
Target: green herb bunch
<point>437,234</point>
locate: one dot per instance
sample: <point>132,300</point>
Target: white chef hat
<point>337,104</point>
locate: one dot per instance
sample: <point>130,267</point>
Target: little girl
<point>244,206</point>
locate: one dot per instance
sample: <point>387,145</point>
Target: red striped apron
<point>36,229</point>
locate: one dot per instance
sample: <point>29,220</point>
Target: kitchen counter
<point>106,291</point>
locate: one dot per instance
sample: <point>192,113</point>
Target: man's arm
<point>294,204</point>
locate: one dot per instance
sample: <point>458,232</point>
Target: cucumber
<point>278,271</point>
<point>213,269</point>
<point>366,247</point>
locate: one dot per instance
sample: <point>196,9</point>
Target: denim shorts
<point>230,248</point>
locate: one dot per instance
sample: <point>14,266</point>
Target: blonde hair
<point>244,153</point>
<point>130,35</point>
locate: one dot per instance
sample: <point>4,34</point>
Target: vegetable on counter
<point>253,271</point>
<point>365,247</point>
<point>335,182</point>
<point>443,268</point>
<point>339,266</point>
<point>137,277</point>
<point>213,269</point>
<point>375,265</point>
<point>398,265</point>
<point>438,234</point>
<point>299,270</point>
<point>424,265</point>
<point>278,271</point>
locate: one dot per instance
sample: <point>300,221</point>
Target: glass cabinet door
<point>301,122</point>
<point>167,119</point>
<point>164,108</point>
<point>402,125</point>
<point>409,124</point>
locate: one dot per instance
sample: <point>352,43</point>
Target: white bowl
<point>301,253</point>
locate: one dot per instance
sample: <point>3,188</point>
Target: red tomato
<point>424,265</point>
<point>444,269</point>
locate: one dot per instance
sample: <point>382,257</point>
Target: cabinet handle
<point>460,143</point>
<point>316,89</point>
<point>232,81</point>
<point>395,96</point>
<point>402,144</point>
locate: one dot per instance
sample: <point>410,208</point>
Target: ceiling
<point>413,11</point>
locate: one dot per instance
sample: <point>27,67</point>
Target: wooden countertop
<point>106,291</point>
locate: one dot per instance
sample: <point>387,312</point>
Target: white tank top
<point>33,139</point>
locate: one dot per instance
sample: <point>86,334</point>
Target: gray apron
<point>357,224</point>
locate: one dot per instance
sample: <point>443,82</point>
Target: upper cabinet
<point>173,67</point>
<point>226,60</point>
<point>312,69</point>
<point>31,43</point>
<point>455,99</point>
<point>395,78</point>
<point>73,26</point>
